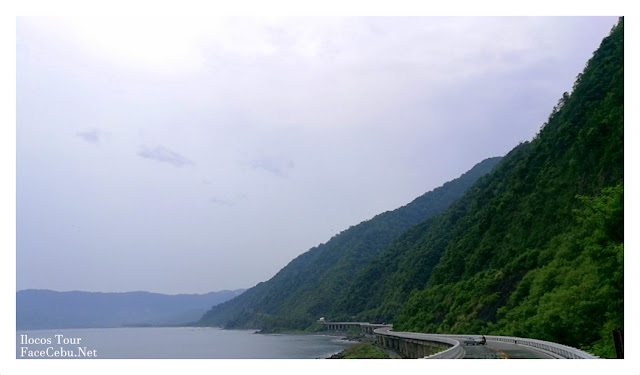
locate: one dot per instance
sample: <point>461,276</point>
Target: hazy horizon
<point>129,291</point>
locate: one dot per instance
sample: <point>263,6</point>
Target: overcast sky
<point>194,155</point>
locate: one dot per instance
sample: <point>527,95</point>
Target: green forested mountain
<point>536,248</point>
<point>306,288</point>
<point>533,249</point>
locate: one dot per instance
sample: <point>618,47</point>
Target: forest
<point>531,246</point>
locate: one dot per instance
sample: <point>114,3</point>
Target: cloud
<point>164,155</point>
<point>91,135</point>
<point>277,169</point>
<point>371,102</point>
<point>222,202</point>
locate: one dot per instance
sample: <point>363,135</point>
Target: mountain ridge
<point>305,287</point>
<point>49,309</point>
<point>535,248</point>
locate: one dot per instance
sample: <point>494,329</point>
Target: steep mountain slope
<point>535,248</point>
<point>305,289</point>
<point>48,309</point>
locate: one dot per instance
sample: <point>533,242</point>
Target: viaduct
<point>434,346</point>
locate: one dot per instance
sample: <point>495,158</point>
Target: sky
<point>189,155</point>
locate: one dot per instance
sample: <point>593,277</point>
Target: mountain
<point>305,289</point>
<point>534,249</point>
<point>47,309</point>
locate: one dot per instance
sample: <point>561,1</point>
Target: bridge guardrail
<point>457,350</point>
<point>552,348</point>
<point>454,351</point>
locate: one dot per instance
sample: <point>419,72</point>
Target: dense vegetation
<point>533,249</point>
<point>305,289</point>
<point>362,351</point>
<point>538,251</point>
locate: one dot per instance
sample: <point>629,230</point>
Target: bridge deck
<point>421,345</point>
<point>502,350</point>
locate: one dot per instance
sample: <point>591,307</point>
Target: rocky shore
<point>362,350</point>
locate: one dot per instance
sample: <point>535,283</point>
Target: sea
<point>173,343</point>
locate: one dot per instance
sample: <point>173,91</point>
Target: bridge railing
<point>554,349</point>
<point>456,350</point>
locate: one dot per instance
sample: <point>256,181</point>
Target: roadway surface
<point>492,349</point>
<point>502,350</point>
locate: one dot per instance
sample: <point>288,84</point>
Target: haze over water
<point>182,342</point>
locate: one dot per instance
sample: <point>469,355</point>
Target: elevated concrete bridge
<point>433,346</point>
<point>366,328</point>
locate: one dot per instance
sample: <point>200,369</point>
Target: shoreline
<point>365,350</point>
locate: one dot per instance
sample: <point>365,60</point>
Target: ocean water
<point>173,342</point>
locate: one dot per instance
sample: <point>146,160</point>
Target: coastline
<point>354,340</point>
<point>365,350</point>
<point>362,347</point>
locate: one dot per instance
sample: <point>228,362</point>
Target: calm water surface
<point>172,342</point>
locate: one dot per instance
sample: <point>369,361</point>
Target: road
<point>502,350</point>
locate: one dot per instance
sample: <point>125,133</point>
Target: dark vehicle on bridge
<point>475,341</point>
